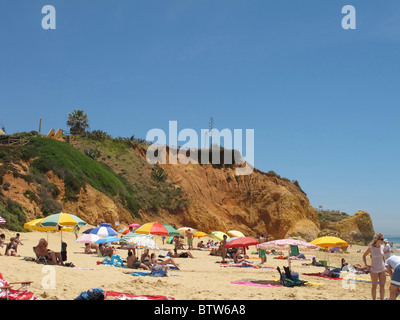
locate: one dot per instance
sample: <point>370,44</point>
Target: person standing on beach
<point>393,263</point>
<point>76,231</point>
<point>222,248</point>
<point>377,267</point>
<point>387,249</point>
<point>189,235</point>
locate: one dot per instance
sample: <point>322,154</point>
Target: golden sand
<point>201,278</point>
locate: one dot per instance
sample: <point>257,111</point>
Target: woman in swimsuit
<point>11,249</point>
<point>377,267</point>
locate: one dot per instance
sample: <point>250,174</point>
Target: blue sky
<point>323,101</point>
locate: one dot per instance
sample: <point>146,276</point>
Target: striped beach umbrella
<point>2,220</point>
<point>104,231</point>
<point>35,225</point>
<point>62,219</point>
<point>157,228</point>
<point>132,234</point>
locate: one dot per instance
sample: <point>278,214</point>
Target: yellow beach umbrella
<point>327,242</point>
<point>219,235</point>
<point>235,233</point>
<point>184,229</point>
<point>35,225</point>
<point>200,234</point>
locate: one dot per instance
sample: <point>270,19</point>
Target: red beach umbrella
<point>241,242</point>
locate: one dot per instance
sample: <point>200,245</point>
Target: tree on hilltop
<point>78,122</point>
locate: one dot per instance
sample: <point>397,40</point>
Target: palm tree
<point>78,121</point>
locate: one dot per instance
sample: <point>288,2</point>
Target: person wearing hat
<point>387,249</point>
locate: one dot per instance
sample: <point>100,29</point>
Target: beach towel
<point>258,283</point>
<point>244,265</point>
<point>141,274</point>
<point>127,296</point>
<point>321,275</point>
<point>114,261</point>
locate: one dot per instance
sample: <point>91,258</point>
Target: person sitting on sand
<point>18,240</point>
<point>145,255</point>
<point>201,245</point>
<point>11,249</point>
<point>186,254</point>
<point>177,242</point>
<point>154,260</point>
<point>238,258</point>
<point>105,250</point>
<point>134,263</point>
<point>2,242</point>
<point>90,246</point>
<point>41,250</point>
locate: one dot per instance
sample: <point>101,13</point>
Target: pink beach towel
<point>256,284</point>
<point>321,275</point>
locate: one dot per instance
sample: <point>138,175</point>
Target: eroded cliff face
<point>255,203</point>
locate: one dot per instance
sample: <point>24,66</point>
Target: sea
<point>396,243</point>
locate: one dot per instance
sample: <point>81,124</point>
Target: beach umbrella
<point>88,238</point>
<point>134,225</point>
<point>35,225</point>
<point>327,242</point>
<point>88,231</point>
<point>62,219</point>
<point>2,220</point>
<point>200,234</point>
<point>235,233</point>
<point>132,234</point>
<point>241,242</point>
<point>142,243</point>
<point>107,239</point>
<point>219,235</point>
<point>104,230</point>
<point>286,243</point>
<point>124,231</point>
<point>184,229</point>
<point>157,228</point>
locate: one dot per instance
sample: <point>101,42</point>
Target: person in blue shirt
<point>393,263</point>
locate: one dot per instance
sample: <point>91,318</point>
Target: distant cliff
<point>357,228</point>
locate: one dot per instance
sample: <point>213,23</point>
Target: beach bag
<point>158,270</point>
<point>91,294</point>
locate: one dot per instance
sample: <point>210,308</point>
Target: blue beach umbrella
<point>104,231</point>
<point>107,239</point>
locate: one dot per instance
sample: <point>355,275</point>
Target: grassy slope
<point>76,169</point>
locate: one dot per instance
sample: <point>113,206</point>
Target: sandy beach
<point>201,278</point>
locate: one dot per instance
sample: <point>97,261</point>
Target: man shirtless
<point>42,251</point>
<point>134,263</point>
<point>189,236</point>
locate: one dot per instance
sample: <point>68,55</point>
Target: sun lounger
<point>7,292</point>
